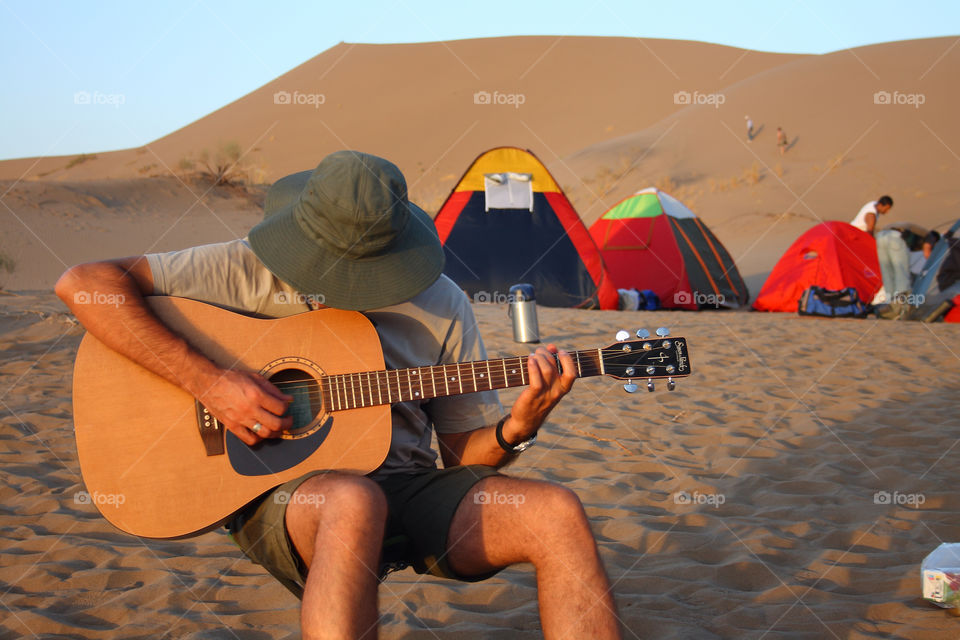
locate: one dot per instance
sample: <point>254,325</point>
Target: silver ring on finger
<point>256,427</point>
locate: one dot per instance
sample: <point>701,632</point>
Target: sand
<point>781,439</point>
<point>789,488</point>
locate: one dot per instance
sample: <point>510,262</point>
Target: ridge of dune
<point>375,96</point>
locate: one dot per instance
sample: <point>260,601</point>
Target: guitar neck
<point>371,388</point>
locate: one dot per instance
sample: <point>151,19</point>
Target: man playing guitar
<point>346,236</point>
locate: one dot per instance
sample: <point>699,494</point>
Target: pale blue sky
<point>170,63</point>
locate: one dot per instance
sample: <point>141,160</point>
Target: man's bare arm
<point>107,298</point>
<point>547,386</point>
<point>871,221</point>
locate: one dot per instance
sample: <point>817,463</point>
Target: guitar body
<point>145,464</point>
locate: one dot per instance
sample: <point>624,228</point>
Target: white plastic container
<point>940,574</point>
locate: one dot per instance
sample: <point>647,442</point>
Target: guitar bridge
<point>211,431</point>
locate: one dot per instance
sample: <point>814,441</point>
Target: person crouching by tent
<point>893,255</point>
<point>919,258</point>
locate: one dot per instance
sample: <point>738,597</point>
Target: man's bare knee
<point>337,499</point>
<point>339,496</point>
<point>506,521</point>
<point>565,505</point>
<point>559,517</point>
<point>352,508</point>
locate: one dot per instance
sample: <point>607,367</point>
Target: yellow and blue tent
<point>507,221</point>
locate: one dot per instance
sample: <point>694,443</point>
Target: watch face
<point>526,444</point>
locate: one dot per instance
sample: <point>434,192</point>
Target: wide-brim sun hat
<point>346,234</point>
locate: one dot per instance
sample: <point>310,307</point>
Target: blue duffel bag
<point>845,303</point>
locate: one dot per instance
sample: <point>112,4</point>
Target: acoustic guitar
<point>157,464</point>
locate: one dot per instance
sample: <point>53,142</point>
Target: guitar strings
<point>353,383</point>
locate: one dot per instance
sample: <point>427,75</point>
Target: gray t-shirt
<point>435,327</point>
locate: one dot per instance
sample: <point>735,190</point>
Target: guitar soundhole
<point>299,381</point>
<point>291,382</point>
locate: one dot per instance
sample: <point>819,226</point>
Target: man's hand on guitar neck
<point>547,386</point>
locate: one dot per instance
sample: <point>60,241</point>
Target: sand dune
<point>576,91</point>
<point>600,112</point>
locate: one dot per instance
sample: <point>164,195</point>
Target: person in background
<point>749,128</point>
<point>919,258</point>
<point>929,242</point>
<point>866,219</point>
<point>781,140</point>
<point>892,254</point>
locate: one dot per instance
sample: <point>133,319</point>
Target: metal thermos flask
<point>523,311</point>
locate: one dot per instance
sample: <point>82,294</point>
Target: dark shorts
<point>420,508</point>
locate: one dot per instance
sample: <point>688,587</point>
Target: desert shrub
<point>7,263</point>
<point>753,174</point>
<point>222,167</point>
<point>667,184</point>
<point>835,162</point>
<point>80,159</point>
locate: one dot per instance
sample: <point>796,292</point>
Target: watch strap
<point>506,446</point>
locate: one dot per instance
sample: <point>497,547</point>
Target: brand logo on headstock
<point>659,358</point>
<point>681,358</point>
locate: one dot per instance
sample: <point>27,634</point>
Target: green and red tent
<point>650,240</point>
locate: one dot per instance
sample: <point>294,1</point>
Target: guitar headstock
<point>646,358</point>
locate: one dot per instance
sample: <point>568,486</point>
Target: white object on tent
<point>508,190</point>
<point>671,206</point>
<point>629,299</point>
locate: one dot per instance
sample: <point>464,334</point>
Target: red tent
<point>833,255</point>
<point>954,314</point>
<point>650,240</point>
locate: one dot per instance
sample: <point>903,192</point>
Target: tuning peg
<point>650,386</point>
<point>622,335</point>
<point>663,332</point>
<point>671,384</point>
<point>630,387</point>
<point>643,334</point>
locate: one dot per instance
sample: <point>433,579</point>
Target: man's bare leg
<point>504,521</point>
<point>336,523</point>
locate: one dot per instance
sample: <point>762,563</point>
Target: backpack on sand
<point>845,303</point>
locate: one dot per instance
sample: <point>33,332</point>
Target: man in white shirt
<point>866,219</point>
<point>892,253</point>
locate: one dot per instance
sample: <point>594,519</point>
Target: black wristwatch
<point>510,448</point>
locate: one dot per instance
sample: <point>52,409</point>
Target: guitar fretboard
<point>370,388</point>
